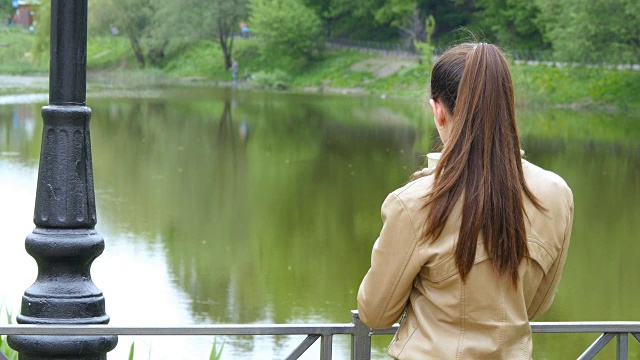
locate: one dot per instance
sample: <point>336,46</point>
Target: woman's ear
<point>438,113</point>
<point>440,118</point>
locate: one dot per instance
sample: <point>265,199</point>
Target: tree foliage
<point>42,40</point>
<point>409,16</point>
<point>351,19</point>
<point>331,11</point>
<point>6,11</point>
<point>576,30</point>
<point>151,25</point>
<point>592,30</point>
<point>287,27</point>
<point>217,19</point>
<point>510,22</point>
<point>135,19</point>
<point>425,48</point>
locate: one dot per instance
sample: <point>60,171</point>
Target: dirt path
<point>382,67</point>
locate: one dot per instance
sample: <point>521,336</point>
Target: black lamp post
<point>64,242</point>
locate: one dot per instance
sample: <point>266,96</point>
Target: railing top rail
<point>218,329</point>
<point>586,327</point>
<point>288,329</point>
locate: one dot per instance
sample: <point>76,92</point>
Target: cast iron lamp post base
<point>64,242</point>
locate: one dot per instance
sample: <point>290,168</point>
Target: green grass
<point>410,82</point>
<point>197,59</point>
<point>4,346</point>
<point>333,69</point>
<point>111,60</point>
<point>106,52</point>
<point>16,52</point>
<point>539,85</point>
<point>577,87</point>
<point>216,352</point>
<point>18,57</point>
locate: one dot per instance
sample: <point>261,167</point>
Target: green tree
<point>152,25</point>
<point>145,23</point>
<point>218,19</point>
<point>134,19</point>
<point>352,19</point>
<point>510,22</point>
<point>42,39</point>
<point>426,48</point>
<point>409,17</point>
<point>331,11</point>
<point>6,11</point>
<point>288,28</point>
<point>592,30</point>
<point>406,15</point>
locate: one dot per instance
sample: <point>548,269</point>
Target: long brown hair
<point>481,160</point>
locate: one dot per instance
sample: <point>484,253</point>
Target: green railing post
<point>361,339</point>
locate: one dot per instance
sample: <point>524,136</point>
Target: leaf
<point>216,354</point>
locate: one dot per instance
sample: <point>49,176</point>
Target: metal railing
<point>380,48</point>
<point>360,333</point>
<point>608,329</point>
<point>519,56</point>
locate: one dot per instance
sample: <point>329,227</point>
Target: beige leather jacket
<point>484,317</point>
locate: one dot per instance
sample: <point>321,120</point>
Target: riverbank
<point>110,61</point>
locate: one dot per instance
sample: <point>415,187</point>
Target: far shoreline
<point>136,79</point>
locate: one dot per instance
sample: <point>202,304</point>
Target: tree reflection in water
<point>265,206</point>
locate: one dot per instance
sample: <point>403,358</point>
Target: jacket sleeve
<point>545,294</point>
<point>385,289</point>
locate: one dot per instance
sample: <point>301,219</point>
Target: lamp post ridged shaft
<point>64,242</point>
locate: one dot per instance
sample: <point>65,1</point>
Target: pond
<point>252,207</point>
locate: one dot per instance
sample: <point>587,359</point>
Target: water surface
<point>248,207</point>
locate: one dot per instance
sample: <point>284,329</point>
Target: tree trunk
<point>418,26</point>
<point>230,47</point>
<point>137,49</point>
<point>156,55</point>
<point>225,51</point>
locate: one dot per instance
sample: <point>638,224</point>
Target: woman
<point>474,249</point>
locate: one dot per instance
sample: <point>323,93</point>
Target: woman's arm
<point>385,289</point>
<point>547,289</point>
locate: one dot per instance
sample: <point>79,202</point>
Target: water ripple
<point>23,98</point>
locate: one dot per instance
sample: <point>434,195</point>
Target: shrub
<point>288,28</point>
<point>276,79</point>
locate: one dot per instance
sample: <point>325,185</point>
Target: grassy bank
<point>579,87</point>
<point>16,53</point>
<point>110,59</point>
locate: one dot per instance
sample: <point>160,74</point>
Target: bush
<point>288,28</point>
<point>277,79</point>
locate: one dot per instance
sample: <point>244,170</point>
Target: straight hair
<point>481,161</point>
